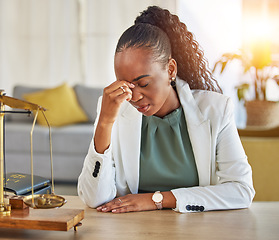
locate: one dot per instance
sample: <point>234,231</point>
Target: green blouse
<point>166,157</point>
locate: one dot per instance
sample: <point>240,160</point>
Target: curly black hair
<point>161,31</point>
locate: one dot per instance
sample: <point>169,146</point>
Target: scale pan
<point>45,201</point>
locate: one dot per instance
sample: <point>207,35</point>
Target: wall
<point>47,42</point>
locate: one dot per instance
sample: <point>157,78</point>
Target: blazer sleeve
<point>96,183</point>
<point>233,188</point>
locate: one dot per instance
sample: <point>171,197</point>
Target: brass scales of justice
<point>41,211</point>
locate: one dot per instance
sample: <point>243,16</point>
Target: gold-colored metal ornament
<point>34,201</point>
<point>44,201</point>
<point>5,209</point>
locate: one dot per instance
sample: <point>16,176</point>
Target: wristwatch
<point>157,198</point>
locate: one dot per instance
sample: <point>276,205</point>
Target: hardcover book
<point>21,184</point>
<point>44,190</point>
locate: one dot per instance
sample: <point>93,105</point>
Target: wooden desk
<point>261,221</point>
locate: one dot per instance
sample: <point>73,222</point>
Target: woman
<point>164,137</point>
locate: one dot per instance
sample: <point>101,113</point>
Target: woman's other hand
<point>129,203</point>
<point>137,203</point>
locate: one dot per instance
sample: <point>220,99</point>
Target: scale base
<point>56,219</point>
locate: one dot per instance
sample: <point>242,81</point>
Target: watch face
<point>157,197</point>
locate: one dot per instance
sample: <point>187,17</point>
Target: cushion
<point>61,104</point>
<point>88,99</point>
<point>18,139</point>
<point>71,139</point>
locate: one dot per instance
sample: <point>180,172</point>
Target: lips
<point>143,109</point>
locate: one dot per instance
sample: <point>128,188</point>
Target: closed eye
<point>142,86</point>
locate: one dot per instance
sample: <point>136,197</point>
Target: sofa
<point>69,143</point>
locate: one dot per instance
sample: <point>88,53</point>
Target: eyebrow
<point>140,77</point>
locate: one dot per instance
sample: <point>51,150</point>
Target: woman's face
<point>152,94</point>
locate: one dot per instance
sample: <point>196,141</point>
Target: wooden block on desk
<point>16,202</point>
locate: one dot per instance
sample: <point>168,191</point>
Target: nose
<point>137,95</point>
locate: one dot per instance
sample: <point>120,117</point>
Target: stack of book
<point>21,184</point>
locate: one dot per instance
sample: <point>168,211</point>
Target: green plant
<point>258,63</point>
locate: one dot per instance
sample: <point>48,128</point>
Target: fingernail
<point>114,210</point>
<point>132,85</point>
<point>104,209</point>
<point>98,208</point>
<point>129,98</point>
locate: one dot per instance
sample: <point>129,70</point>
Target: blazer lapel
<point>199,132</point>
<point>129,141</point>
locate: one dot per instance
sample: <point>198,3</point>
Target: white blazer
<point>225,177</point>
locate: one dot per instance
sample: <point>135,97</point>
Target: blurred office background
<point>47,42</point>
